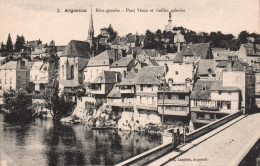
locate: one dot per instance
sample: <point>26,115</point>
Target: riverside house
<point>14,75</point>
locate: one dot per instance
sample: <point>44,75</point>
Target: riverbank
<point>105,116</point>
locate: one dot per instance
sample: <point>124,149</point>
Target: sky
<point>39,19</point>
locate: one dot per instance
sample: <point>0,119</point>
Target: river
<point>40,142</point>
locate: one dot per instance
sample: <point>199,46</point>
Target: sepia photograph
<point>140,82</point>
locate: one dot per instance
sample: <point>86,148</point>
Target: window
<point>229,93</point>
<point>0,87</point>
<point>5,81</point>
<point>195,103</point>
<point>212,116</point>
<point>10,87</point>
<point>141,88</point>
<point>176,72</point>
<point>200,116</point>
<point>0,81</point>
<point>10,81</point>
<point>219,92</point>
<point>182,97</point>
<point>72,72</point>
<point>36,77</point>
<point>169,96</point>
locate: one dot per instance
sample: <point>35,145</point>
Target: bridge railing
<point>167,147</point>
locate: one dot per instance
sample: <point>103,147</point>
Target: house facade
<point>13,76</point>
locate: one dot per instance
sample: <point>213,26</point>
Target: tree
<point>9,44</point>
<point>2,47</point>
<point>112,33</point>
<point>53,101</point>
<point>52,90</point>
<point>18,103</point>
<point>19,44</point>
<point>149,41</point>
<point>243,35</point>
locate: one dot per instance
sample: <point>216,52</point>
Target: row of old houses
<point>192,84</point>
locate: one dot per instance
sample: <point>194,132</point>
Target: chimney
<point>170,82</point>
<point>230,62</point>
<point>117,77</point>
<point>188,83</point>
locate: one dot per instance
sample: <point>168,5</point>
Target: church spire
<point>91,30</point>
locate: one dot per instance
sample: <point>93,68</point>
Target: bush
<point>18,103</point>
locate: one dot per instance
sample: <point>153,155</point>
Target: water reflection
<point>43,143</point>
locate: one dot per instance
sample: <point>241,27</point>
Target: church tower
<point>91,30</point>
<point>169,27</point>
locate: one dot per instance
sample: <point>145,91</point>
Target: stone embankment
<point>104,116</point>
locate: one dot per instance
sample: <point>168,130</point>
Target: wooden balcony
<point>127,91</point>
<point>173,112</point>
<point>173,102</point>
<point>147,107</point>
<point>176,89</point>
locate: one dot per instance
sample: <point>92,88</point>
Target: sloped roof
<point>150,75</point>
<point>222,64</point>
<point>76,49</point>
<point>206,66</point>
<point>149,52</point>
<point>198,93</point>
<point>218,86</point>
<point>102,59</point>
<point>106,76</point>
<point>129,79</point>
<point>178,58</point>
<point>200,49</point>
<point>234,65</point>
<point>115,92</point>
<point>123,62</point>
<point>188,51</point>
<point>154,62</point>
<point>9,65</point>
<point>119,41</point>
